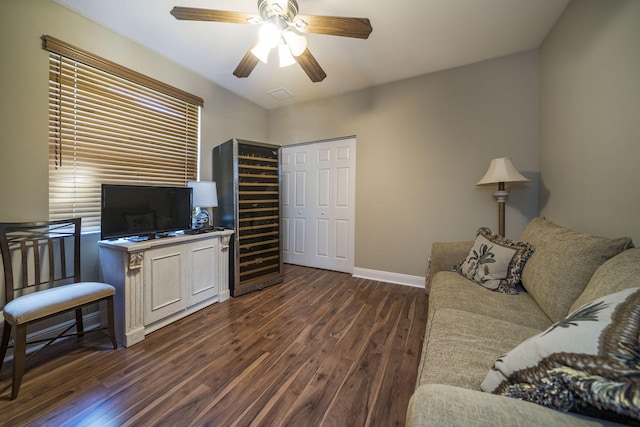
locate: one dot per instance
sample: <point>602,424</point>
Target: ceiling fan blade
<point>196,14</point>
<point>311,66</point>
<point>247,64</point>
<point>335,26</point>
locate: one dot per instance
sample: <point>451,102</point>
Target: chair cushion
<point>41,304</point>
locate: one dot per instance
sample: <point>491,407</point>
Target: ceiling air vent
<point>280,93</point>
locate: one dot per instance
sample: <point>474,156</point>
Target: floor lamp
<point>500,172</point>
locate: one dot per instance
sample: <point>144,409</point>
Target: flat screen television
<point>144,211</point>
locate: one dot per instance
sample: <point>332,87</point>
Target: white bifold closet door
<point>318,204</point>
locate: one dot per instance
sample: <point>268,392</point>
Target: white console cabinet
<point>162,280</point>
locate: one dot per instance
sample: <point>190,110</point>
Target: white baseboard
<point>385,276</point>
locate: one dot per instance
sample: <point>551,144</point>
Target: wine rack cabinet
<point>248,179</point>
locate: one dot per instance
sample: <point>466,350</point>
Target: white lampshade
<point>502,170</point>
<point>296,42</point>
<point>269,34</point>
<point>261,51</point>
<point>284,53</point>
<point>205,194</point>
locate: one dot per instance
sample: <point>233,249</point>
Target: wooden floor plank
<point>322,348</point>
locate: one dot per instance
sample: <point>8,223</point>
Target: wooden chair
<point>42,279</point>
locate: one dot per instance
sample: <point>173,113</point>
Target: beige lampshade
<point>502,170</point>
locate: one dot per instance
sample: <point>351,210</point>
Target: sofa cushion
<point>460,346</point>
<point>495,262</point>
<point>450,290</point>
<point>588,363</point>
<point>447,406</point>
<point>620,272</point>
<point>564,261</point>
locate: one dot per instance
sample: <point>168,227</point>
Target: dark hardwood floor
<point>321,349</point>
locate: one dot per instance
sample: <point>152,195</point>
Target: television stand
<point>203,230</point>
<point>159,281</point>
<point>162,235</point>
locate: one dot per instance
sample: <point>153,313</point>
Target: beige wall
<point>24,109</point>
<point>590,119</point>
<point>422,144</point>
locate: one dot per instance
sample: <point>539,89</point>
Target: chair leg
<point>111,323</point>
<point>79,323</point>
<point>4,344</point>
<point>19,357</point>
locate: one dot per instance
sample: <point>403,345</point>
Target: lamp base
<point>201,219</point>
<point>501,197</point>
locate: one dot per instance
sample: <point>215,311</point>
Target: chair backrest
<point>39,255</point>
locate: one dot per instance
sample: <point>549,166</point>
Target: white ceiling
<point>409,38</point>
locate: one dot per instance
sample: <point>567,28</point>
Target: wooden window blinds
<point>112,125</point>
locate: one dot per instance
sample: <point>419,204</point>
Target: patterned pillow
<point>588,363</point>
<point>495,262</point>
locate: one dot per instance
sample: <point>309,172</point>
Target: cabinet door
<point>164,279</point>
<point>202,283</point>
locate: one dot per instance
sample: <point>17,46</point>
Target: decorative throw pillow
<point>588,363</point>
<point>495,262</point>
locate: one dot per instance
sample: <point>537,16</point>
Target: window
<point>109,124</point>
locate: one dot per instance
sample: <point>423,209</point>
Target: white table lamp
<point>205,195</point>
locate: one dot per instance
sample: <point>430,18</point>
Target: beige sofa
<point>469,326</point>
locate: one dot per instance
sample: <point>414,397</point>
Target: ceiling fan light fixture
<point>276,18</point>
<point>286,58</point>
<point>269,35</point>
<point>285,9</point>
<point>300,24</point>
<point>261,51</point>
<point>296,42</point>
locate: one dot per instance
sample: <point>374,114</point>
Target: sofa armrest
<point>445,255</point>
<point>445,405</point>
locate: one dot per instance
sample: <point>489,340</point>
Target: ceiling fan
<point>280,27</point>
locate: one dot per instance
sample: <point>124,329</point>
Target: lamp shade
<point>502,170</point>
<point>286,58</point>
<point>261,51</point>
<point>205,194</point>
<point>269,35</point>
<point>296,42</point>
